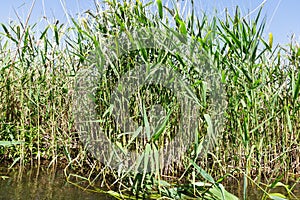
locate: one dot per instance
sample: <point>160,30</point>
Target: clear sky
<point>282,15</point>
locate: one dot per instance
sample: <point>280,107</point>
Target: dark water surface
<point>254,193</point>
<point>42,184</point>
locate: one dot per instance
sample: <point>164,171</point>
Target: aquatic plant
<point>259,139</point>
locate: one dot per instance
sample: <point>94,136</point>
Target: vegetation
<point>260,139</point>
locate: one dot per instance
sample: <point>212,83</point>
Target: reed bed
<point>260,138</point>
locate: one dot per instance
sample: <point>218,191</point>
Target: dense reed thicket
<point>261,134</point>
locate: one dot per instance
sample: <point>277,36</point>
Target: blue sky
<point>282,15</point>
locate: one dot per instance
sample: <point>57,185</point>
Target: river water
<point>42,184</point>
<point>38,184</point>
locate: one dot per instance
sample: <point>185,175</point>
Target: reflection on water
<point>254,193</point>
<point>45,184</point>
<point>41,184</point>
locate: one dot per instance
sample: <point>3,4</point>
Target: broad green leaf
<point>135,134</point>
<point>44,32</point>
<point>161,128</point>
<point>209,123</point>
<point>217,194</point>
<point>297,88</point>
<point>203,173</point>
<point>277,196</point>
<point>182,28</point>
<point>160,8</point>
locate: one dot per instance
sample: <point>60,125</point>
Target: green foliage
<point>262,82</point>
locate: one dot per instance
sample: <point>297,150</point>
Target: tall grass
<point>35,94</point>
<point>260,139</point>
